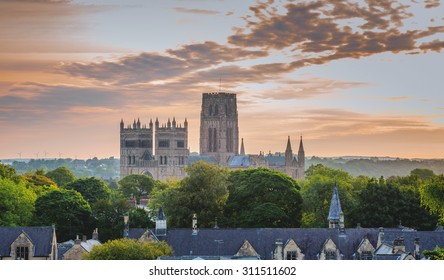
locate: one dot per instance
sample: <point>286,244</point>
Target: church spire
<point>335,215</point>
<point>301,157</point>
<point>242,149</point>
<point>288,153</point>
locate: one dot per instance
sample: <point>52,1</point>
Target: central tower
<point>219,131</point>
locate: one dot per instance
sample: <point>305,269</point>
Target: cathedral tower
<point>219,131</point>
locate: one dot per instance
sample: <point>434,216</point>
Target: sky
<point>352,77</point>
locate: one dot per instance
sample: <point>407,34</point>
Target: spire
<point>151,123</point>
<point>157,122</point>
<point>185,124</point>
<point>161,215</point>
<point>122,125</point>
<point>242,150</point>
<point>174,121</point>
<point>169,123</point>
<point>301,146</point>
<point>134,124</point>
<point>161,223</point>
<point>334,215</point>
<point>288,153</point>
<point>138,123</point>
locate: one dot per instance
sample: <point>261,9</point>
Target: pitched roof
<point>239,161</point>
<point>335,206</point>
<point>41,237</point>
<point>275,160</point>
<point>194,159</point>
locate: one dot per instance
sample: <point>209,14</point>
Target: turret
<point>122,124</point>
<point>157,122</point>
<point>138,123</point>
<point>335,215</point>
<point>134,124</point>
<point>161,223</point>
<point>242,149</point>
<point>288,153</point>
<point>174,122</point>
<point>151,124</point>
<point>185,124</point>
<point>169,123</point>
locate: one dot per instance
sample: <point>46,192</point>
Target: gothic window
<point>330,255</point>
<point>145,144</point>
<point>161,160</point>
<point>230,139</point>
<point>292,255</point>
<point>134,159</point>
<point>210,139</point>
<point>164,143</point>
<point>129,160</point>
<point>165,160</point>
<point>214,140</point>
<point>216,110</point>
<point>181,144</point>
<point>22,253</point>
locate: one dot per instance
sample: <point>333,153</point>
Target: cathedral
<point>161,150</point>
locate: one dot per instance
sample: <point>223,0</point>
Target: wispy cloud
<point>397,98</point>
<point>195,11</point>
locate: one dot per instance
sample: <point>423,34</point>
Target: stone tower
<point>171,144</point>
<point>219,131</point>
<point>136,146</point>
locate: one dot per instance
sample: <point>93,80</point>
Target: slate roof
<point>41,237</point>
<point>239,161</point>
<point>335,206</point>
<point>226,242</point>
<point>275,160</point>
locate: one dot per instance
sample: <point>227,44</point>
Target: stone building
<point>75,249</point>
<point>161,151</point>
<point>219,130</point>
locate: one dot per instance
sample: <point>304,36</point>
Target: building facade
<point>161,150</point>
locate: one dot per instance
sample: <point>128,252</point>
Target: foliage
<point>203,192</point>
<point>128,249</point>
<point>140,218</point>
<point>432,195</point>
<point>137,185</point>
<point>37,180</point>
<point>7,171</point>
<point>108,217</point>
<point>92,189</point>
<point>16,203</point>
<point>317,191</point>
<point>61,175</point>
<point>423,173</point>
<point>67,209</point>
<point>262,198</point>
<point>437,254</point>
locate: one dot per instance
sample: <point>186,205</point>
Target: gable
<point>246,250</point>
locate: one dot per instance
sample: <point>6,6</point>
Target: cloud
<point>397,98</point>
<point>432,3</point>
<point>315,30</point>
<point>195,11</point>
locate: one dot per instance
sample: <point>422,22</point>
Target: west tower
<point>219,130</point>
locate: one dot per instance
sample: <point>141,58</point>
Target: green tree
<point>137,185</point>
<point>92,189</point>
<point>7,171</point>
<point>203,192</point>
<point>263,198</point>
<point>38,180</point>
<point>16,203</point>
<point>317,190</point>
<point>108,217</point>
<point>61,176</point>
<point>128,249</point>
<point>423,173</point>
<point>67,209</point>
<point>437,254</point>
<point>140,218</point>
<point>432,195</point>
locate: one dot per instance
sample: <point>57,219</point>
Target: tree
<point>16,203</point>
<point>92,189</point>
<point>437,254</point>
<point>432,195</point>
<point>108,217</point>
<point>7,171</point>
<point>37,180</point>
<point>61,176</point>
<point>423,173</point>
<point>263,198</point>
<point>203,192</point>
<point>137,185</point>
<point>140,218</point>
<point>317,191</point>
<point>67,209</point>
<point>128,249</point>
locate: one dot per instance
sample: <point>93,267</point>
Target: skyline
<point>354,78</point>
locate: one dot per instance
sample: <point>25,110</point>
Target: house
<point>28,243</point>
<point>74,249</point>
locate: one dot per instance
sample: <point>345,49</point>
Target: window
<point>180,144</point>
<point>22,253</point>
<point>330,255</point>
<point>366,255</point>
<point>164,143</point>
<point>292,255</point>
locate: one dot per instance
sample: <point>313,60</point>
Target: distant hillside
<point>377,167</point>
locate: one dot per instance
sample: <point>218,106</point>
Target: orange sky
<point>360,80</point>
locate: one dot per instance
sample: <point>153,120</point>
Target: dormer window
<point>330,255</point>
<point>292,255</point>
<point>22,253</point>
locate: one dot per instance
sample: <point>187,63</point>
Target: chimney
<point>95,235</point>
<point>84,238</point>
<point>278,250</point>
<point>380,237</point>
<point>77,241</point>
<point>398,245</point>
<point>195,229</point>
<point>417,254</point>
